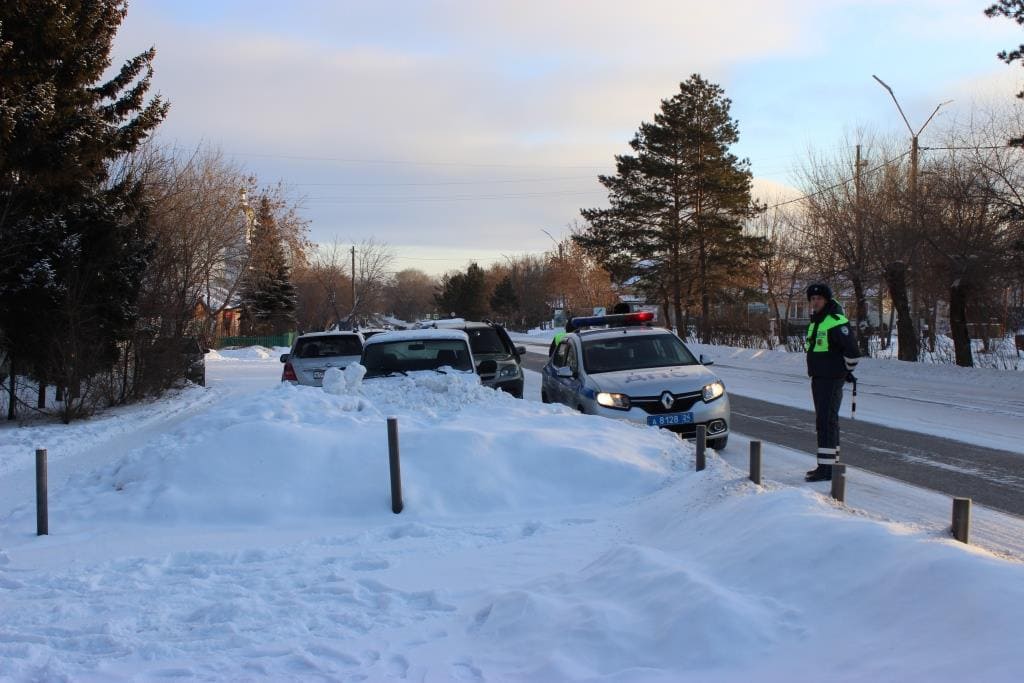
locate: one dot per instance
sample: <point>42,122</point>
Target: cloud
<point>399,98</point>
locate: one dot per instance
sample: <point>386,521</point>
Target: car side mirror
<point>564,371</point>
<point>284,357</point>
<point>520,350</point>
<point>487,367</point>
<point>206,351</point>
<point>704,360</point>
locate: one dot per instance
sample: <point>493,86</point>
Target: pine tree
<point>268,295</point>
<point>678,205</point>
<point>72,236</point>
<point>464,294</point>
<point>504,301</point>
<point>1011,9</point>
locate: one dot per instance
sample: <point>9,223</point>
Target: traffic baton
<point>853,403</point>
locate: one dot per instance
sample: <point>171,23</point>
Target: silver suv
<point>642,374</point>
<point>313,353</point>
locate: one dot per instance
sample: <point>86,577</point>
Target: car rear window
<point>484,340</point>
<point>634,353</point>
<point>406,356</point>
<point>328,346</point>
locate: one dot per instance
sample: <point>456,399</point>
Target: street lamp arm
<point>937,108</point>
<point>893,95</point>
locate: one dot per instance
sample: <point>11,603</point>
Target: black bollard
<point>396,470</point>
<point>755,462</point>
<point>42,506</point>
<point>962,519</point>
<point>839,482</point>
<point>702,442</point>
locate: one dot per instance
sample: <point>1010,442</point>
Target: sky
<point>464,130</point>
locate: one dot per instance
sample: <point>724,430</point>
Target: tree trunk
<point>958,323</point>
<point>933,320</point>
<point>863,325</point>
<point>896,280</point>
<point>41,396</point>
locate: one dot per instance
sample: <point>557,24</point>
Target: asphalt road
<point>990,477</point>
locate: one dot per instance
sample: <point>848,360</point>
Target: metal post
<point>755,462</point>
<point>839,482</point>
<point>962,519</point>
<point>42,508</point>
<point>702,441</point>
<point>396,472</point>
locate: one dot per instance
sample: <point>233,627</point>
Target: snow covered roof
<point>416,335</point>
<point>331,333</point>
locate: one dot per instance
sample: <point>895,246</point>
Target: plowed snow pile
<point>257,542</point>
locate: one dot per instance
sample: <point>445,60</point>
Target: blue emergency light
<point>621,320</point>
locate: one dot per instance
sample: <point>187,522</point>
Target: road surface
<point>990,477</point>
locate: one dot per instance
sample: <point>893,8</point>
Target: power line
<point>453,198</point>
<point>449,182</point>
<point>397,162</point>
<point>839,184</point>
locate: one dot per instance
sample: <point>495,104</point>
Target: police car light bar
<point>621,319</point>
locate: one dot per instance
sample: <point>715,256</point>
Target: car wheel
<point>719,443</point>
<point>544,397</point>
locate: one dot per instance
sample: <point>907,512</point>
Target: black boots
<point>822,473</point>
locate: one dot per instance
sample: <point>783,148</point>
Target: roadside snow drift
<point>537,544</point>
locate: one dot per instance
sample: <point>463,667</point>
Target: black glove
<point>850,379</point>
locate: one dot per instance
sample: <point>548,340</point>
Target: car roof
<point>459,324</point>
<point>417,335</point>
<point>614,332</point>
<point>330,333</point>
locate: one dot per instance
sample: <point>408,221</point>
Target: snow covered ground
<point>977,405</point>
<point>252,538</point>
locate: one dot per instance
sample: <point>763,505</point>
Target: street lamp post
<point>906,354</point>
<point>561,261</point>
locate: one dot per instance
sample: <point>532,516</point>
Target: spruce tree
<point>73,235</point>
<point>504,301</point>
<point>268,295</point>
<point>678,205</point>
<point>464,294</point>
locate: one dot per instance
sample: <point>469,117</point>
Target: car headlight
<point>509,371</point>
<point>618,401</point>
<point>713,391</point>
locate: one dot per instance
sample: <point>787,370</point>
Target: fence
<point>268,341</point>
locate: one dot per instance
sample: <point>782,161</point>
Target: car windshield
<point>326,346</point>
<point>635,353</point>
<point>422,354</point>
<point>485,340</point>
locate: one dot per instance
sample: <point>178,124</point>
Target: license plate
<point>318,374</point>
<point>670,419</point>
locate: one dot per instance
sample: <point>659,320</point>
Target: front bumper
<point>513,385</point>
<point>715,415</point>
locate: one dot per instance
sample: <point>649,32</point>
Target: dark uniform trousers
<point>828,396</point>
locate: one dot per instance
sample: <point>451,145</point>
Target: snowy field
<point>976,405</point>
<point>244,532</point>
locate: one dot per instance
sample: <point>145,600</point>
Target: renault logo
<point>667,400</point>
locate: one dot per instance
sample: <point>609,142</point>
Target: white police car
<point>616,366</point>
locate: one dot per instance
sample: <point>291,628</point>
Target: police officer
<point>831,358</point>
<point>559,336</point>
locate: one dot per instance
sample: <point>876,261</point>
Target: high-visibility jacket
<point>559,336</point>
<point>831,346</point>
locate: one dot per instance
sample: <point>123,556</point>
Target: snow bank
<point>299,452</point>
<point>247,353</point>
<point>256,542</point>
